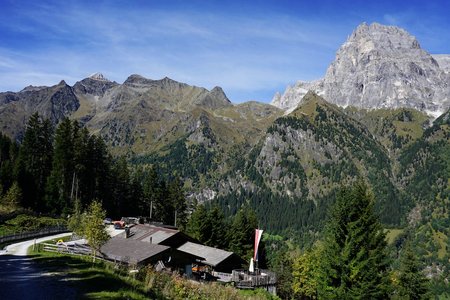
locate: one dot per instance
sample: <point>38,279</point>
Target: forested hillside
<point>52,168</point>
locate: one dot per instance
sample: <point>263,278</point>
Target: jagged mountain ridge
<point>379,67</point>
<point>141,115</point>
<point>54,103</point>
<point>145,115</point>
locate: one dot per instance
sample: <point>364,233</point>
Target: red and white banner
<point>258,234</point>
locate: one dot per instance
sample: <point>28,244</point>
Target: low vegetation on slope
<point>104,280</point>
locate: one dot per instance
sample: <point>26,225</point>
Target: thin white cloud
<point>243,55</point>
<point>391,19</point>
<point>246,55</point>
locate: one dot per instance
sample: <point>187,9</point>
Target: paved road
<point>22,247</point>
<point>21,279</point>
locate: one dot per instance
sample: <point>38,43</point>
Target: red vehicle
<point>119,224</point>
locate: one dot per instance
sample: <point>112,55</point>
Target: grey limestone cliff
<point>380,67</point>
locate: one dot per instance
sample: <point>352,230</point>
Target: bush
<point>26,222</point>
<point>173,286</point>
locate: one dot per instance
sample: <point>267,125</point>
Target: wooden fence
<point>248,280</point>
<point>75,249</point>
<point>223,277</point>
<point>33,234</point>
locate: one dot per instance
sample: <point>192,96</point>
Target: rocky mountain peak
<point>138,80</point>
<point>386,36</point>
<point>379,67</point>
<point>218,93</point>
<point>167,82</point>
<point>62,83</point>
<point>213,99</point>
<point>95,85</point>
<point>98,76</point>
<point>307,105</point>
<point>32,88</point>
<point>135,79</point>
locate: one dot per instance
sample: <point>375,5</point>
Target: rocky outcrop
<point>290,99</point>
<point>95,85</point>
<point>443,60</point>
<point>54,103</point>
<point>214,99</point>
<point>379,67</point>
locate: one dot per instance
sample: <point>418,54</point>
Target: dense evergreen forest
<point>52,168</point>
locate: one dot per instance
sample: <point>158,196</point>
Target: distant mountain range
<point>381,112</point>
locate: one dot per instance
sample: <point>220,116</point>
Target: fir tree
<point>62,178</point>
<point>242,233</point>
<point>412,283</point>
<point>208,226</point>
<point>8,155</point>
<point>282,265</point>
<point>175,204</point>
<point>354,261</point>
<point>151,191</point>
<point>198,225</point>
<point>83,175</point>
<point>35,159</point>
<point>217,229</point>
<point>101,180</point>
<point>123,203</point>
<point>137,192</point>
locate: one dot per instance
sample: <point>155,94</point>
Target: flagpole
<point>258,234</point>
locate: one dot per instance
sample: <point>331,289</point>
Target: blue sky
<point>250,48</point>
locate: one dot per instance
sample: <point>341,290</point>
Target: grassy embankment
<point>102,280</point>
<point>90,280</point>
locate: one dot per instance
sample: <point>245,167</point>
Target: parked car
<point>107,221</point>
<point>119,224</point>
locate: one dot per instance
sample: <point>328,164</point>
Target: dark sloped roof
<point>129,250</point>
<point>213,256</point>
<point>157,234</point>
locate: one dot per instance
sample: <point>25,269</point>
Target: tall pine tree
<point>242,233</point>
<point>176,198</point>
<point>35,161</point>
<point>412,283</point>
<point>354,261</point>
<point>60,184</point>
<point>8,157</point>
<point>208,226</point>
<point>152,192</point>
